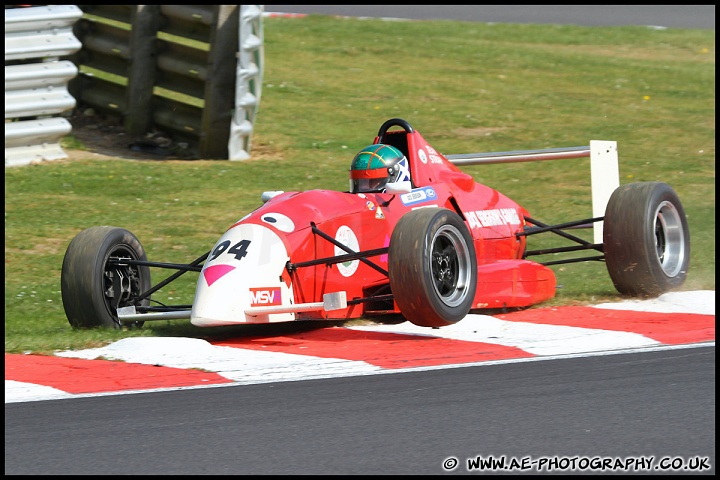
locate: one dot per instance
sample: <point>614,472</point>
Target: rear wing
<point>604,170</point>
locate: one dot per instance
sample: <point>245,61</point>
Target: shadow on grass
<point>241,331</point>
<point>186,329</point>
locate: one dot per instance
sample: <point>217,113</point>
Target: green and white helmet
<point>377,165</point>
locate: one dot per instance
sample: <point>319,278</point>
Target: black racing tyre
<point>92,289</point>
<point>432,267</point>
<point>646,239</point>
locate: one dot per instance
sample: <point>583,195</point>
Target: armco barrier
<point>193,72</point>
<point>36,81</point>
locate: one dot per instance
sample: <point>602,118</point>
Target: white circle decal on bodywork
<point>347,237</point>
<point>422,155</point>
<point>279,221</point>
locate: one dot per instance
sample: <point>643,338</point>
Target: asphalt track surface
<point>627,406</point>
<point>670,16</point>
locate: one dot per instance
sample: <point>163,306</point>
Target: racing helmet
<point>376,165</point>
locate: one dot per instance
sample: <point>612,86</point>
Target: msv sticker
<point>492,218</point>
<point>265,296</point>
<point>419,195</point>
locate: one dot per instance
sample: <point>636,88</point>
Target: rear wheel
<point>92,287</point>
<point>432,268</point>
<point>646,239</point>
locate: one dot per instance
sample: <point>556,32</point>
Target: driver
<point>377,165</point>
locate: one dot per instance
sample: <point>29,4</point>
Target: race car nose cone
<point>215,272</point>
<point>245,270</point>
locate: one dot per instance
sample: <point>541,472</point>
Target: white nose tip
<point>245,269</point>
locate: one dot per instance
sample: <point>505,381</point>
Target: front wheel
<point>432,267</point>
<point>646,239</point>
<point>94,285</point>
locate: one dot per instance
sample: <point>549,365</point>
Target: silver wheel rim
<point>669,239</point>
<point>450,266</point>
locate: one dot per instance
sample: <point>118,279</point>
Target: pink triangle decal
<point>384,257</point>
<point>214,273</point>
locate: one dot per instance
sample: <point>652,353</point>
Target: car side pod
<point>513,284</point>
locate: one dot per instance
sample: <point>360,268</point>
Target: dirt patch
<point>103,137</point>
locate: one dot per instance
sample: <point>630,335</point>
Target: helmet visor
<point>368,184</point>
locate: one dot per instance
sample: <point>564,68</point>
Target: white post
<point>248,84</point>
<point>605,178</point>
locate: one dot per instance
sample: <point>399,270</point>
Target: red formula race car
<point>414,236</point>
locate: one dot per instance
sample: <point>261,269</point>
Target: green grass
<point>328,85</point>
